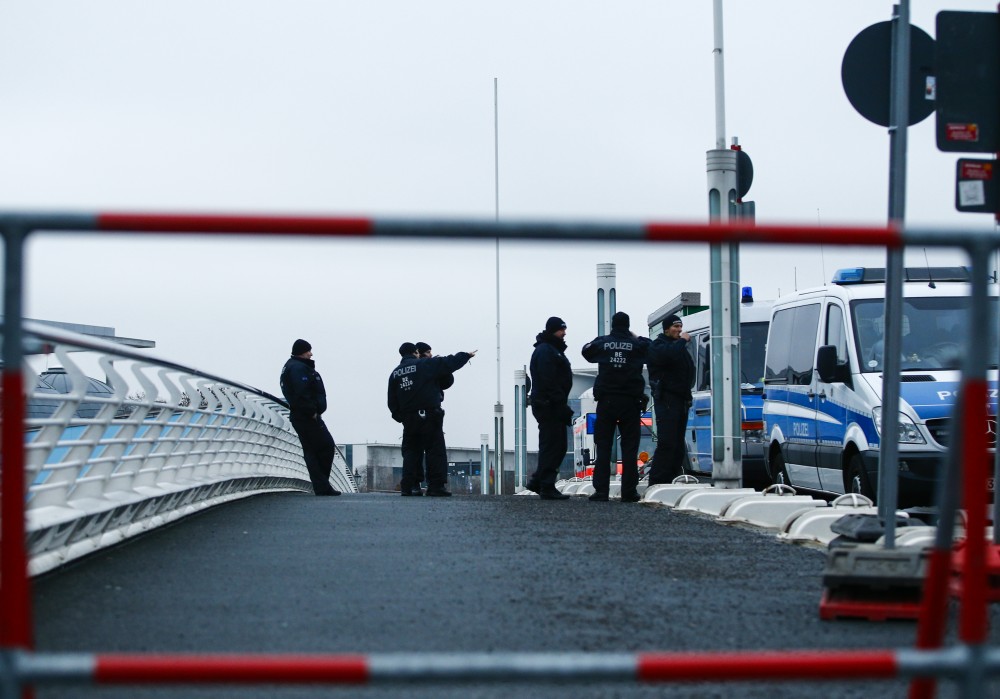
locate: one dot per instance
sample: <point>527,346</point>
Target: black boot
<point>550,492</point>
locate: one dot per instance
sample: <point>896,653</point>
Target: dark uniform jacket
<point>551,379</point>
<point>671,368</point>
<point>620,357</point>
<point>302,387</point>
<point>416,383</point>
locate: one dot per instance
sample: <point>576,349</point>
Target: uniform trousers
<point>552,445</point>
<point>671,423</point>
<point>318,449</point>
<point>624,413</point>
<point>423,434</point>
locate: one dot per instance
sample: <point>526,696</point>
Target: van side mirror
<point>826,363</point>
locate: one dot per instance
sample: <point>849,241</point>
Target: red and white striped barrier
<point>390,668</point>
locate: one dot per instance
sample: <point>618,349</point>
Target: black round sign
<point>744,173</point>
<point>866,73</point>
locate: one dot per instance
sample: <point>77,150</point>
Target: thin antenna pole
<point>498,408</point>
<point>496,194</point>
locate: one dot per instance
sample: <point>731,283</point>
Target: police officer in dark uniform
<point>426,352</point>
<point>551,382</point>
<point>671,374</point>
<point>620,392</point>
<point>414,399</point>
<point>303,389</point>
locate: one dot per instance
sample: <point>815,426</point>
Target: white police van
<point>823,380</point>
<point>754,319</point>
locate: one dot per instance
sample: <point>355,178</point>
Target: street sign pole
<point>888,471</point>
<point>727,467</point>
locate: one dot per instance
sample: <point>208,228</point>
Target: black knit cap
<point>422,347</point>
<point>670,320</point>
<point>300,347</point>
<point>620,321</point>
<point>554,323</point>
<point>407,349</point>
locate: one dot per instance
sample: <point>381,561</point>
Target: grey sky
<point>386,108</point>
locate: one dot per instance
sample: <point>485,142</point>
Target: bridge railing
<point>151,443</point>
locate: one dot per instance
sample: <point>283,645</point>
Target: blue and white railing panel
<point>150,444</point>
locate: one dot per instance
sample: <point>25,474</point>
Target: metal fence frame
<point>970,661</point>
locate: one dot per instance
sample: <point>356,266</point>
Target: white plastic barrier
<point>151,443</point>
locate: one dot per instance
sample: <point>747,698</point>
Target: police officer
<point>426,352</point>
<point>551,382</point>
<point>414,399</point>
<point>671,374</point>
<point>620,392</point>
<point>303,389</point>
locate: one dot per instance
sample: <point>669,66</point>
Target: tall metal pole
<point>498,408</point>
<point>484,465</point>
<point>520,430</point>
<point>899,107</point>
<point>720,77</point>
<point>724,262</point>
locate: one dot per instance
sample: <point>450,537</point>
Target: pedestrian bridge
<point>265,567</point>
<point>154,443</point>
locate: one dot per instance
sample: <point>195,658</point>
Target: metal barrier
<point>158,442</point>
<point>970,661</point>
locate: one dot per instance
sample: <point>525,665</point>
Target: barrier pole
<point>15,593</point>
<point>973,623</point>
<point>410,668</point>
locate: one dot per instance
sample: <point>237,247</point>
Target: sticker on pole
<point>961,133</point>
<point>976,187</point>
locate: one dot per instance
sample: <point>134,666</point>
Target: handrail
<point>164,441</point>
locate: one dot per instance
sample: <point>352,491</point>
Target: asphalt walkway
<point>378,573</point>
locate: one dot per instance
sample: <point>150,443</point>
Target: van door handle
<point>703,411</point>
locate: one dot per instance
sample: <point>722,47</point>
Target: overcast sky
<point>384,108</point>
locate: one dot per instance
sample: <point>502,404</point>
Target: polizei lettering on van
<point>948,395</point>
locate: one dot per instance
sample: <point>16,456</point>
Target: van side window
<point>802,352</point>
<point>704,374</point>
<point>779,338</point>
<point>836,333</point>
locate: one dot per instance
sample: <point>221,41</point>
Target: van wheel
<point>857,479</point>
<point>776,468</point>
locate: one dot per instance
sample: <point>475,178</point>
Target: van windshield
<point>935,331</point>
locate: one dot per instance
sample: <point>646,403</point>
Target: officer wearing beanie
<point>620,392</point>
<point>303,389</point>
<point>551,382</point>
<point>671,374</point>
<point>414,399</point>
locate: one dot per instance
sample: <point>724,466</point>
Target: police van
<point>823,380</point>
<point>755,317</point>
